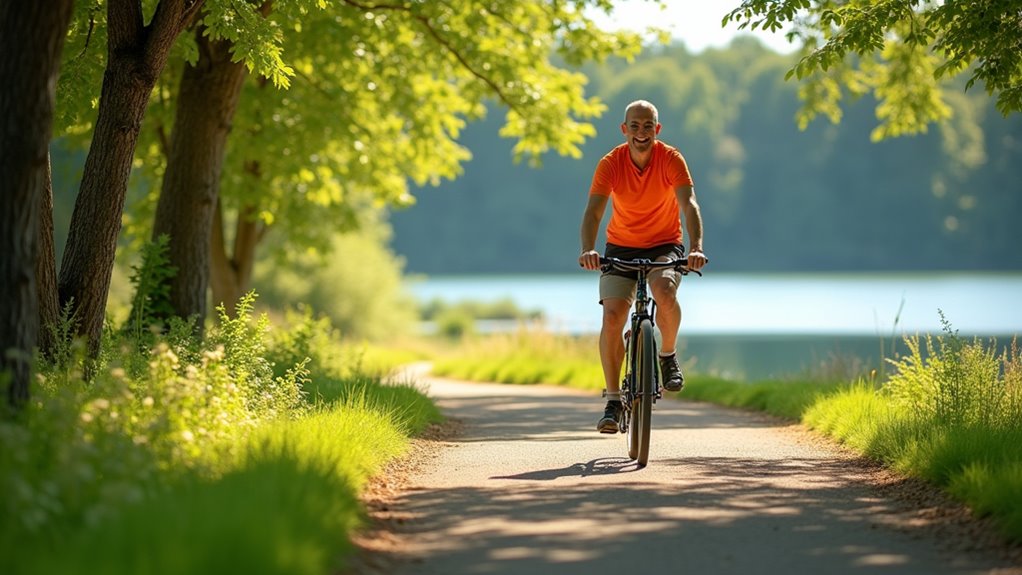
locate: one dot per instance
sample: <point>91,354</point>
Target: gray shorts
<point>622,284</point>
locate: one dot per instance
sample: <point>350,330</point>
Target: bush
<point>958,383</point>
<point>950,414</point>
<point>358,285</point>
<point>199,447</point>
<point>501,309</point>
<point>454,323</point>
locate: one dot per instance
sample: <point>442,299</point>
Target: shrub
<point>957,383</point>
<point>358,285</point>
<point>187,448</point>
<point>244,355</point>
<point>150,279</point>
<point>455,323</point>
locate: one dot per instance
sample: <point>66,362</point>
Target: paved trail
<point>530,488</point>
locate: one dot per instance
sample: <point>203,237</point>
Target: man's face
<point>640,129</point>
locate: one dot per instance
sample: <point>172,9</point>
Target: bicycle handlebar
<point>606,264</point>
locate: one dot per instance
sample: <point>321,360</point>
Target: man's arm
<point>591,218</point>
<point>693,225</point>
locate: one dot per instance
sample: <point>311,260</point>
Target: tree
<point>31,37</point>
<point>140,36</point>
<point>45,270</point>
<point>189,195</point>
<point>381,92</point>
<point>136,54</point>
<point>898,50</point>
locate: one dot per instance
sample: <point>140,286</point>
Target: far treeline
<point>774,197</point>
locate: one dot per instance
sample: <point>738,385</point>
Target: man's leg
<point>668,317</point>
<point>612,355</point>
<point>612,347</point>
<point>668,311</point>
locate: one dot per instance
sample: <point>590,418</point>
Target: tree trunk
<point>46,271</point>
<point>232,274</point>
<point>31,38</point>
<point>88,261</point>
<point>206,103</point>
<point>136,56</point>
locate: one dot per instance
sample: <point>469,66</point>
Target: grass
<point>203,457</point>
<point>788,399</point>
<point>287,506</point>
<point>526,356</point>
<point>950,413</point>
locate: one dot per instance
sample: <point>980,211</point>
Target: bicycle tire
<point>646,352</point>
<point>630,389</point>
<point>633,430</point>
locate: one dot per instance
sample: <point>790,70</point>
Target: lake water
<point>763,325</point>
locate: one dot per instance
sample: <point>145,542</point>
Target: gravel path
<point>522,483</point>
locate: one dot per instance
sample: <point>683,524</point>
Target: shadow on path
<point>602,466</point>
<point>721,516</point>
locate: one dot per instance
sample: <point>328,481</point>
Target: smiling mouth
<point>641,140</point>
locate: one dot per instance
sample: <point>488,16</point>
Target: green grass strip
<point>287,505</point>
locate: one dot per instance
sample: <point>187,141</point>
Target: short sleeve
<point>677,169</point>
<point>603,178</point>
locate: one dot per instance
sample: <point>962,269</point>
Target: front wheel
<point>642,404</point>
<point>633,429</point>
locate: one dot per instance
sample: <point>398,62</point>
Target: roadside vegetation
<point>244,453</point>
<point>527,355</point>
<point>454,321</point>
<point>948,411</point>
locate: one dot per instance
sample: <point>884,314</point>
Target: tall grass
<point>951,413</point>
<point>788,399</point>
<point>527,356</point>
<point>198,457</point>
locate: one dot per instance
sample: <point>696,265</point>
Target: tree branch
<point>440,40</point>
<point>331,97</point>
<point>170,18</point>
<point>88,36</point>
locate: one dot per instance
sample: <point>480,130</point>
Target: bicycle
<point>640,388</point>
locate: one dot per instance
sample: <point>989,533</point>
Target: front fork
<point>629,392</point>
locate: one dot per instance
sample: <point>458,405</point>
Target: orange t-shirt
<point>645,206</point>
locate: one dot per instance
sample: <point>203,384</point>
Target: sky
<point>696,22</point>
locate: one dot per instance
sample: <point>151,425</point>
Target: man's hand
<point>590,260</point>
<point>696,260</point>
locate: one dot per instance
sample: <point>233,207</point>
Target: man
<point>652,191</point>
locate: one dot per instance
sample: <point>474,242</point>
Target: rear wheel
<point>642,404</point>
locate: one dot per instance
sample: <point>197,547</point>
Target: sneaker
<point>670,373</point>
<point>611,416</point>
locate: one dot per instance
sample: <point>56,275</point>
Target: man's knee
<point>665,292</point>
<point>615,312</point>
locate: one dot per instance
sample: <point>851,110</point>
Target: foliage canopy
<point>369,96</point>
<point>898,50</point>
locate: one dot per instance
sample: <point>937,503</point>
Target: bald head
<point>643,105</point>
